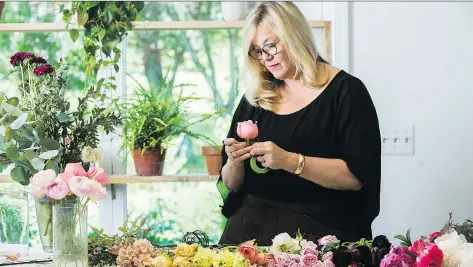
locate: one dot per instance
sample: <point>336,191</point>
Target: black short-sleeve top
<point>341,123</point>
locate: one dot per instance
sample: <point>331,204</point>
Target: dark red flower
<point>43,70</point>
<point>18,58</point>
<point>39,60</point>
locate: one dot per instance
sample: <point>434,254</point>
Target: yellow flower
<point>162,260</point>
<point>203,257</point>
<point>186,250</point>
<point>180,261</point>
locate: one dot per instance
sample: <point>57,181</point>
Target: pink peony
<point>327,239</point>
<point>76,169</point>
<point>393,260</point>
<point>82,186</point>
<point>40,183</point>
<point>59,189</point>
<point>99,175</point>
<point>247,130</point>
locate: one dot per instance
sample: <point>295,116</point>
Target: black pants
<point>263,219</point>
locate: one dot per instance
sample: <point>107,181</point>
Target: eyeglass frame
<point>263,50</point>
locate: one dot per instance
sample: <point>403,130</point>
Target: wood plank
<point>134,179</point>
<point>139,26</point>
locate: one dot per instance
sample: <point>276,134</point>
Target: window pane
<point>177,208</point>
<point>210,59</point>
<point>31,11</point>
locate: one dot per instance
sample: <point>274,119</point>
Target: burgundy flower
<point>18,58</point>
<point>39,60</point>
<point>43,70</point>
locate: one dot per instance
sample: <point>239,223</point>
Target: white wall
<point>417,61</point>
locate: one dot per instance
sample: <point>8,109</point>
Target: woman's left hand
<point>270,155</point>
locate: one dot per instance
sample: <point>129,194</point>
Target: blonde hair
<point>289,24</point>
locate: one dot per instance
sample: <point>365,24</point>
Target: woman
<point>318,135</point>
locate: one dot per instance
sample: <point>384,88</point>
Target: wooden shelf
<point>135,179</point>
<point>140,26</point>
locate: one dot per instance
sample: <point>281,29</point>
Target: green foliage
<point>106,24</point>
<point>465,228</point>
<point>11,223</point>
<point>154,117</point>
<point>405,240</point>
<point>103,248</point>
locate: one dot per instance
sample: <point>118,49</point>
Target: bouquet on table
<point>50,138</point>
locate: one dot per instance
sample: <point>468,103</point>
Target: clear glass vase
<point>70,235</point>
<point>44,218</point>
<point>14,219</point>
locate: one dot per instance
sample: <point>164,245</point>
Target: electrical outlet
<point>398,141</point>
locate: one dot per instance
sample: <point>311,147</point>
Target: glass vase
<point>70,235</point>
<point>14,219</point>
<point>44,218</point>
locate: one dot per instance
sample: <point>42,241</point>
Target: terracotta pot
<point>213,159</point>
<point>150,163</point>
<point>2,6</point>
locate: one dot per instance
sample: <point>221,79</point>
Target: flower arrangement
<point>249,131</point>
<point>42,128</point>
<point>445,248</point>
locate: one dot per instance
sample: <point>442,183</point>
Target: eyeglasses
<point>269,49</point>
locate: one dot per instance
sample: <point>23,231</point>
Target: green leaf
<point>49,143</point>
<point>48,154</point>
<point>14,101</point>
<point>8,134</point>
<point>19,174</point>
<point>30,155</point>
<point>20,121</point>
<point>74,34</point>
<point>82,18</point>
<point>52,165</point>
<point>12,110</point>
<point>38,164</point>
<point>63,117</point>
<point>102,33</point>
<point>12,152</point>
<point>2,96</point>
<point>116,67</point>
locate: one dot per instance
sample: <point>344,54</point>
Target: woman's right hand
<point>237,152</point>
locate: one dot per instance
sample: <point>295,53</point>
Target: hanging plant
<point>105,26</point>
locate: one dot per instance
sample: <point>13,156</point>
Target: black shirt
<point>341,123</point>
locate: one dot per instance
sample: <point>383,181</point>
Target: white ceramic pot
<point>234,10</point>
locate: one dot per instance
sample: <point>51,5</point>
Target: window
<point>208,58</point>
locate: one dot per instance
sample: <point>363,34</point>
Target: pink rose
<point>76,169</point>
<point>99,175</point>
<point>247,130</point>
<point>40,183</point>
<point>327,239</point>
<point>329,263</point>
<point>58,190</point>
<point>81,186</point>
<point>309,250</point>
<point>309,260</point>
<point>328,256</point>
<point>249,252</point>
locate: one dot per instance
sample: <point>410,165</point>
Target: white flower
<point>282,239</point>
<point>308,244</point>
<point>466,255</point>
<point>98,154</point>
<point>450,242</point>
<point>88,154</point>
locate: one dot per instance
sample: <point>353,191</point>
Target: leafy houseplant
<point>152,119</point>
<point>106,24</point>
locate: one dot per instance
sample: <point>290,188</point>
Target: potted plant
<point>213,158</point>
<point>153,118</point>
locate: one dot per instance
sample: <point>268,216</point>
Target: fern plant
<point>155,116</point>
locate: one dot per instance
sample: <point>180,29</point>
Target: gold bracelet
<point>300,164</point>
